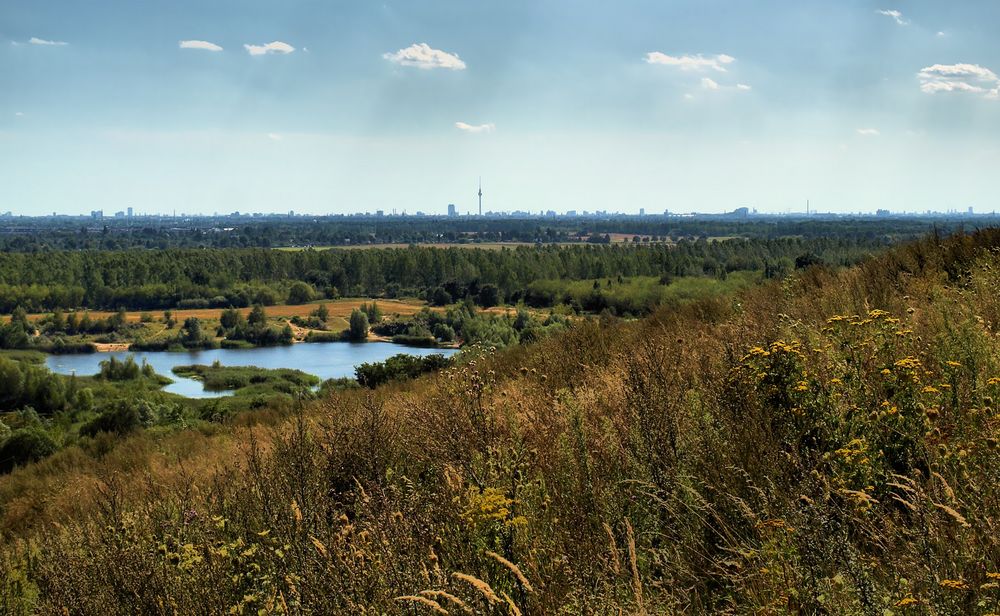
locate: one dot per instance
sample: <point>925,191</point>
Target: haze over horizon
<point>357,106</point>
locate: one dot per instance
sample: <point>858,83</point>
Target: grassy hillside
<point>823,445</point>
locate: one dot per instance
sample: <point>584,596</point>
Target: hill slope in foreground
<point>823,445</point>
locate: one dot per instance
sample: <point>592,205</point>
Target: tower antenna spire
<point>480,195</point>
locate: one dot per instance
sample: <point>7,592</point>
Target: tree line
<point>203,278</point>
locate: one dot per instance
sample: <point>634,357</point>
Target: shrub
<point>120,420</point>
<point>25,446</point>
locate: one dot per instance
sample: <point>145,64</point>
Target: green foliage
<point>372,311</point>
<point>300,293</point>
<point>358,326</point>
<point>24,385</point>
<point>489,296</point>
<point>114,369</point>
<point>440,297</point>
<point>253,330</point>
<point>121,419</point>
<point>398,367</point>
<point>25,446</point>
<point>221,378</point>
<point>633,296</point>
<point>322,313</point>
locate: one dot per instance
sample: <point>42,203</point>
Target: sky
<point>341,106</point>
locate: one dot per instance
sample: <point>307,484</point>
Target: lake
<point>327,360</point>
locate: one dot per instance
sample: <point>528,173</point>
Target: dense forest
<point>824,444</point>
<point>44,234</point>
<point>220,278</point>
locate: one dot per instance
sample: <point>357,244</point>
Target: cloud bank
<point>969,78</point>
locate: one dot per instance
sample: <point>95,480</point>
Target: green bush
<point>25,446</point>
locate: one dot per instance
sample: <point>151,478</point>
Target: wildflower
<point>930,389</point>
<point>954,364</point>
<point>953,584</point>
<point>906,602</point>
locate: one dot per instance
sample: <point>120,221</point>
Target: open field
<point>338,308</point>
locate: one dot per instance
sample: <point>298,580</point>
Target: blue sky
<point>330,106</point>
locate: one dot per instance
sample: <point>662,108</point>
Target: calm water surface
<point>327,360</point>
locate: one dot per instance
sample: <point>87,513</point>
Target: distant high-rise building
<point>130,212</point>
<point>642,211</point>
<point>452,211</point>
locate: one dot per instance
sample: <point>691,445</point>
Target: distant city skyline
<point>336,108</point>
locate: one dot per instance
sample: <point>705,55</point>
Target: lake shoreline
<point>324,360</point>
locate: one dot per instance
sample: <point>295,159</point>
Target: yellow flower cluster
<point>908,363</point>
<point>954,584</point>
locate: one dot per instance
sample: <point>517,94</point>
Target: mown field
<point>341,308</point>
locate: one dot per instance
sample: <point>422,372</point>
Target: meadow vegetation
<point>826,443</point>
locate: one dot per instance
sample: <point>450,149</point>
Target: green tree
<point>358,326</point>
<point>257,318</point>
<point>192,331</point>
<point>440,297</point>
<point>300,293</point>
<point>489,296</point>
<point>322,313</point>
<point>230,318</point>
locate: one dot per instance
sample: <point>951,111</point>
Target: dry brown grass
<point>341,308</point>
<point>749,457</point>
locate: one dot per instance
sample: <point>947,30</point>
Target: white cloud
<point>37,41</point>
<point>475,128</point>
<point>896,15</point>
<point>205,45</point>
<point>689,96</point>
<point>274,136</point>
<point>970,78</point>
<point>19,113</point>
<point>691,62</point>
<point>744,87</point>
<point>868,132</point>
<point>942,33</point>
<point>709,84</point>
<point>272,47</point>
<point>421,55</point>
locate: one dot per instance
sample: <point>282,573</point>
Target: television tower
<point>480,195</point>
